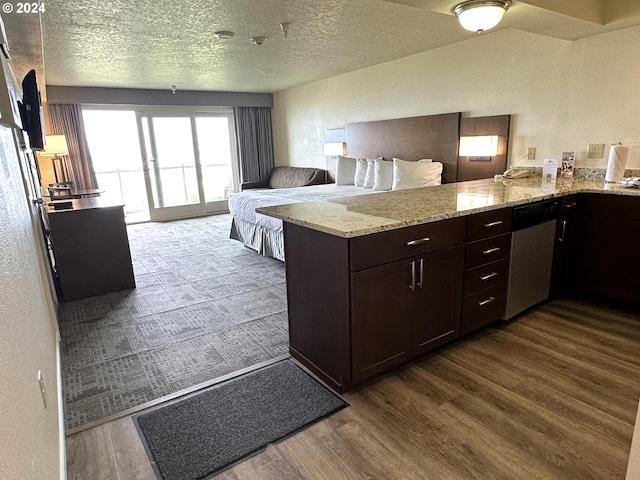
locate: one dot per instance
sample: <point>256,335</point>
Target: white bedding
<point>243,205</point>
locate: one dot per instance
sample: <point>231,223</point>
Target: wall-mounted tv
<point>31,111</point>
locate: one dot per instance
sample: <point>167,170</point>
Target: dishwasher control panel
<point>534,214</point>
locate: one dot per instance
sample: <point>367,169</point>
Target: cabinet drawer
<point>385,247</point>
<point>488,224</point>
<point>488,250</point>
<point>486,276</point>
<point>482,308</point>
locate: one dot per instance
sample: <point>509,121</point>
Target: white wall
<point>30,446</point>
<point>562,95</point>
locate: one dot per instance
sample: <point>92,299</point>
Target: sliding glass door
<point>188,161</point>
<point>188,165</point>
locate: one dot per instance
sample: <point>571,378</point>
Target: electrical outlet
<point>532,153</point>
<point>595,150</point>
<point>43,391</point>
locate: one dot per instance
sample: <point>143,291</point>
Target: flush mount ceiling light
<point>258,40</point>
<point>480,15</point>
<point>223,34</point>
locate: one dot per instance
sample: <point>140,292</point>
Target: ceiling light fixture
<point>258,40</point>
<point>223,34</point>
<point>481,15</point>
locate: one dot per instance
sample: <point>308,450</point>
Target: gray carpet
<point>204,433</point>
<point>205,306</point>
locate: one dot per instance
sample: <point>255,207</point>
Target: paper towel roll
<point>618,156</point>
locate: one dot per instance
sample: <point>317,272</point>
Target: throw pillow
<point>361,172</point>
<point>345,170</point>
<point>370,176</point>
<point>415,174</point>
<point>383,175</point>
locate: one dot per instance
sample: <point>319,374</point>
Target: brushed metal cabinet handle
<point>571,205</point>
<point>419,241</point>
<point>412,285</point>
<point>487,301</point>
<point>421,277</point>
<point>491,250</point>
<point>564,231</point>
<point>489,276</point>
<point>493,224</point>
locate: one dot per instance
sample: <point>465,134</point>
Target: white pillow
<point>415,174</point>
<point>371,174</point>
<point>383,175</point>
<point>345,170</point>
<point>419,161</point>
<point>361,172</point>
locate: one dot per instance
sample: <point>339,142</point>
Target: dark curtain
<point>255,142</point>
<point>66,119</point>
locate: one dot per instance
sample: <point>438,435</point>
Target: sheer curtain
<point>255,142</point>
<point>66,119</point>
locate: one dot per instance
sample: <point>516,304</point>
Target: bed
<point>263,233</point>
<point>428,138</point>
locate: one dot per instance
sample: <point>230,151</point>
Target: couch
<point>289,177</point>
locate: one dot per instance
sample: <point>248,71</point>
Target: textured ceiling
<point>156,44</point>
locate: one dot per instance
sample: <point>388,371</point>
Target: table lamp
<point>56,147</point>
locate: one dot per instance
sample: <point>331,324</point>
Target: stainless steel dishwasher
<point>532,240</point>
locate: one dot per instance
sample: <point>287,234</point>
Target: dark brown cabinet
<point>404,308</point>
<point>372,302</point>
<point>361,306</point>
<point>486,268</point>
<point>608,246</point>
<point>563,280</point>
<point>91,248</point>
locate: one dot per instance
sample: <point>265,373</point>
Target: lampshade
<point>480,15</point>
<point>334,149</point>
<point>56,145</point>
<point>479,146</point>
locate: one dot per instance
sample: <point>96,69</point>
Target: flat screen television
<point>31,111</point>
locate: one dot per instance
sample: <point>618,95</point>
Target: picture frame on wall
<point>567,163</point>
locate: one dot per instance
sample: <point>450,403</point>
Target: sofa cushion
<point>288,177</point>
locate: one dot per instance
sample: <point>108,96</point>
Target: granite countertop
<point>378,212</point>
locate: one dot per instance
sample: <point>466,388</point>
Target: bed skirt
<point>269,243</point>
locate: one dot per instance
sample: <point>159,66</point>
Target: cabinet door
<point>381,308</point>
<point>610,229</point>
<point>437,300</point>
<point>564,267</point>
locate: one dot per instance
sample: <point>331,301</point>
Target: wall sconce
<point>481,15</point>
<point>334,149</point>
<point>479,148</point>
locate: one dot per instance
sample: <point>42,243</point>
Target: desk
<point>90,248</point>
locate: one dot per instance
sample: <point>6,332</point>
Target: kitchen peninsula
<point>376,280</point>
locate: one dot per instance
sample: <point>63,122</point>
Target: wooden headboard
<point>432,136</point>
<point>413,138</point>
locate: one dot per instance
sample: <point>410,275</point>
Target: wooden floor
<point>552,395</point>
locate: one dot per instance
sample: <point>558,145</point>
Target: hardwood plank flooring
<point>551,395</point>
